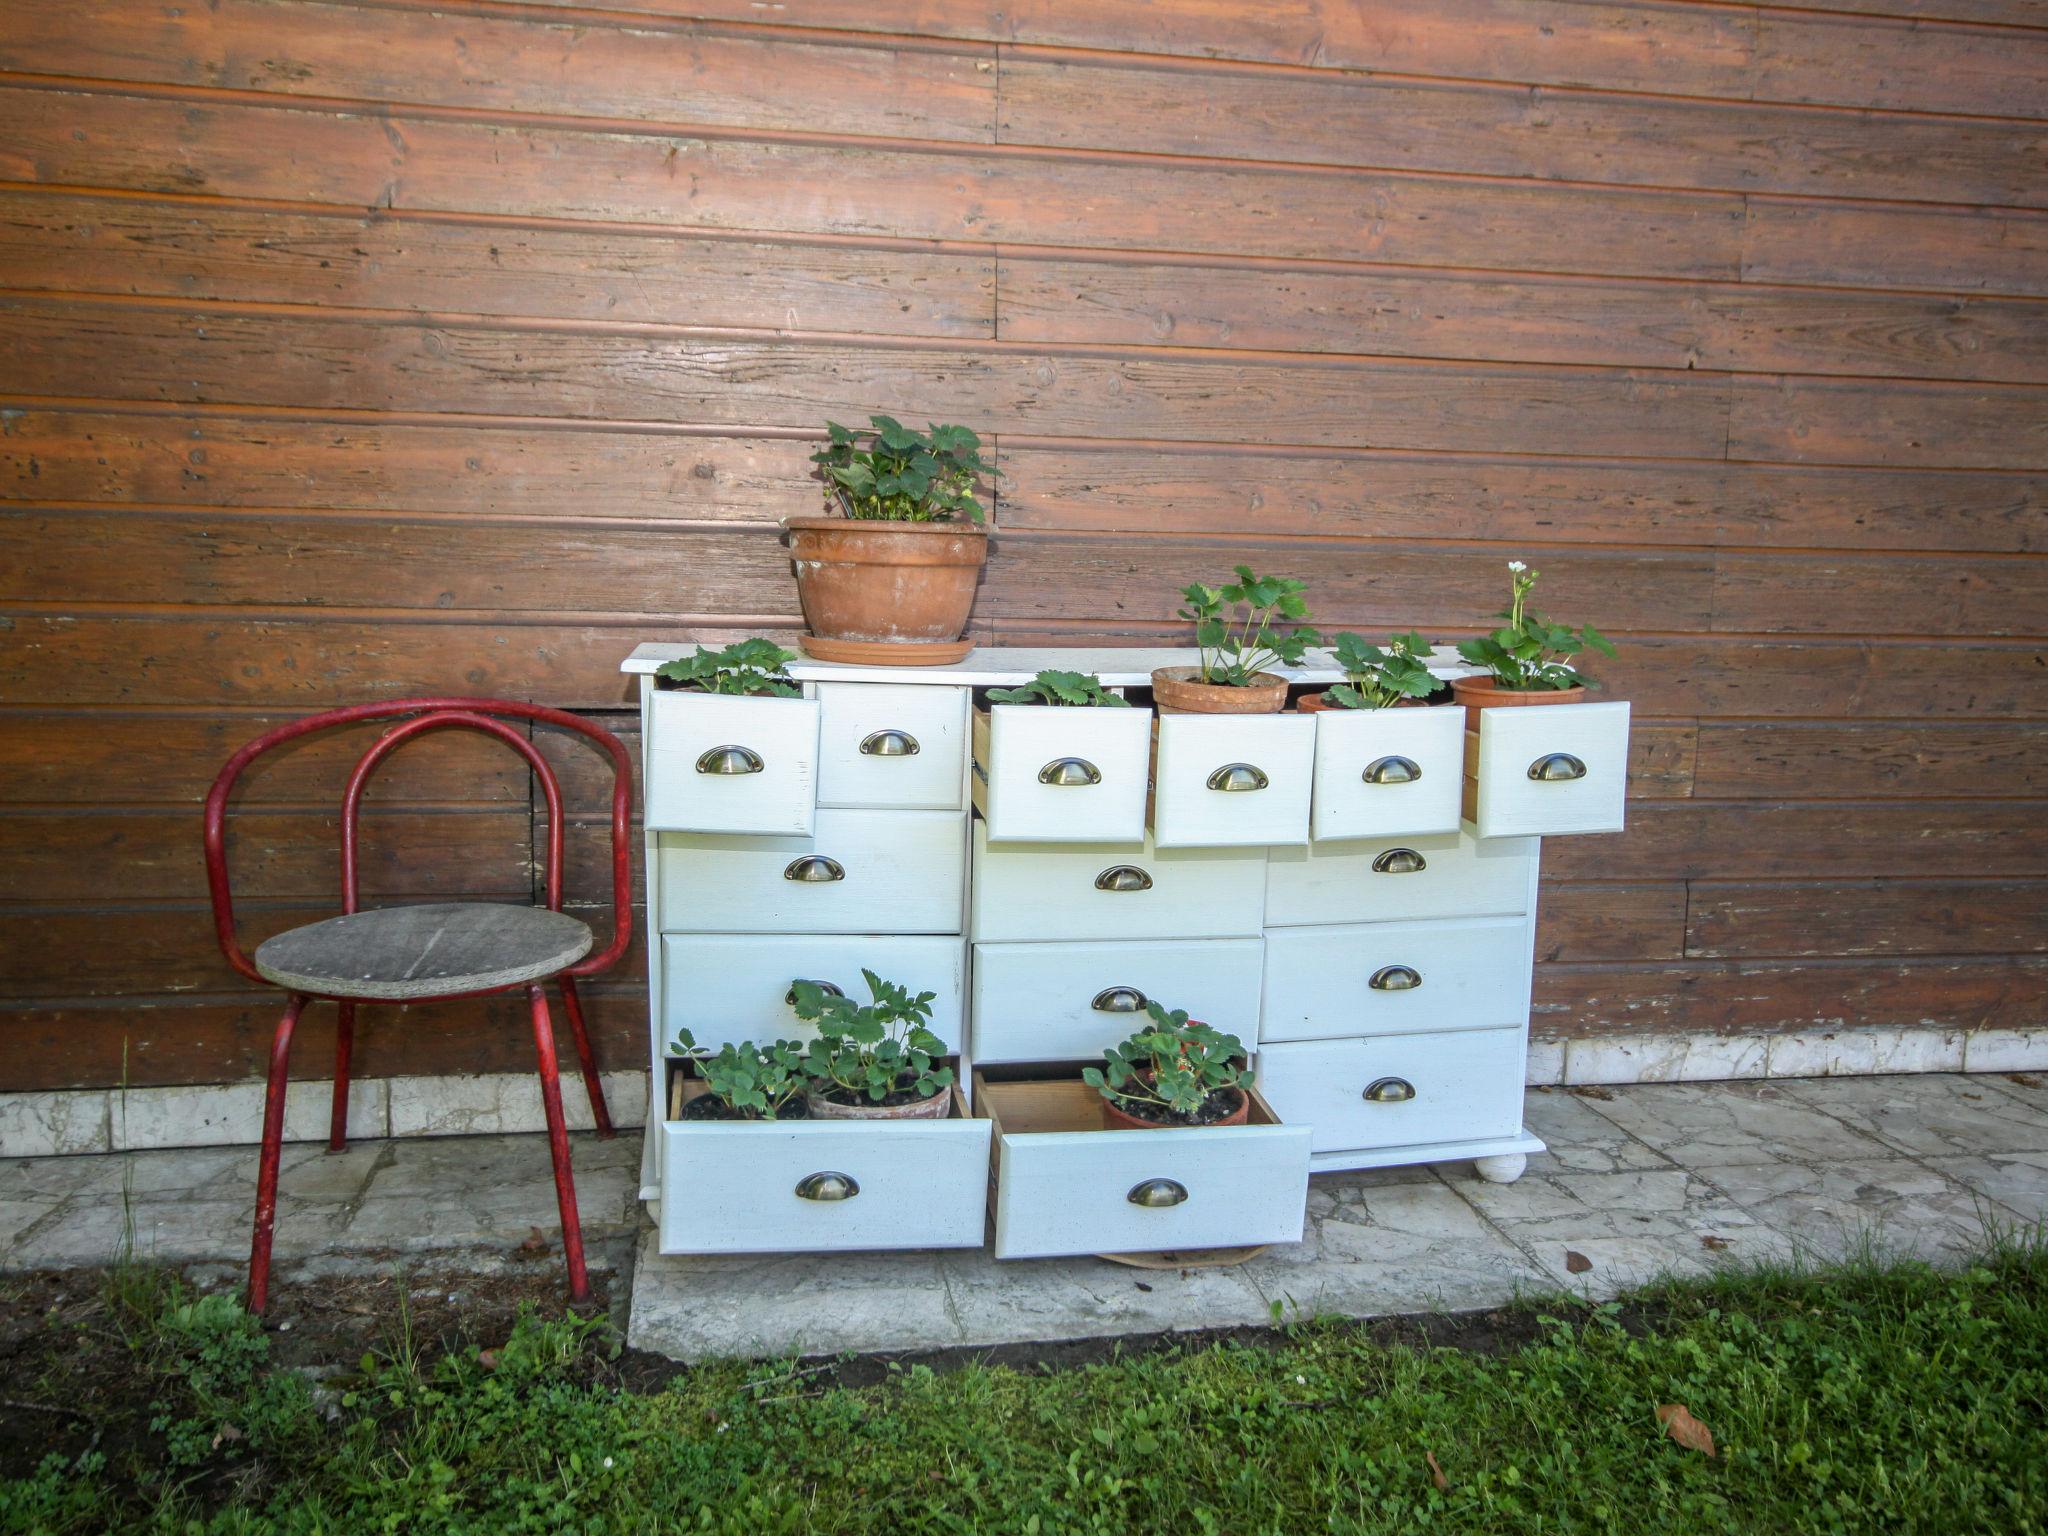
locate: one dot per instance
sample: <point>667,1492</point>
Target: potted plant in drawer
<point>888,575</point>
<point>744,1081</point>
<point>732,743</point>
<point>1527,660</point>
<point>1241,628</point>
<point>1175,1072</point>
<point>1375,678</point>
<point>1063,760</point>
<point>877,1060</point>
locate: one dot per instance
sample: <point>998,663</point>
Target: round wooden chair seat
<point>399,953</point>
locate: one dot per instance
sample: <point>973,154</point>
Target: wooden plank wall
<point>353,350</point>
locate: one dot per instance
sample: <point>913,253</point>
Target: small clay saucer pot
<point>876,591</point>
<point>1175,692</point>
<point>937,1107</point>
<point>1485,692</point>
<point>1115,1119</point>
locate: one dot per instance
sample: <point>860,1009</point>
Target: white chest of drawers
<point>1353,896</point>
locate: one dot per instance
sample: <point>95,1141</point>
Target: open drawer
<point>807,1186</point>
<point>1232,781</point>
<point>1065,1185</point>
<point>1388,772</point>
<point>1551,769</point>
<point>1059,775</point>
<point>734,986</point>
<point>718,764</point>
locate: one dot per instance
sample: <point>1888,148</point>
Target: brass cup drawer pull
<point>827,1185</point>
<point>1389,1090</point>
<point>1119,1000</point>
<point>1395,978</point>
<point>1238,778</point>
<point>1399,861</point>
<point>889,743</point>
<point>1123,877</point>
<point>829,988</point>
<point>1557,768</point>
<point>1392,770</point>
<point>1158,1194</point>
<point>814,869</point>
<point>730,760</point>
<point>1070,773</point>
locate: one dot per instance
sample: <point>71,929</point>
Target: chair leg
<point>344,1046</point>
<point>273,1145</point>
<point>588,1058</point>
<point>558,1143</point>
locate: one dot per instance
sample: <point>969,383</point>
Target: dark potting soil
<point>709,1107</point>
<point>905,1092</point>
<point>1220,1105</point>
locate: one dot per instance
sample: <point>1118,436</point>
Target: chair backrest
<point>417,717</point>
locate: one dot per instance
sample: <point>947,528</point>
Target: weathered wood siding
<point>358,350</point>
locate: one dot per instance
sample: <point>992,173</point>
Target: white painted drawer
<point>1404,877</point>
<point>859,872</point>
<point>731,1186</point>
<point>1273,756</point>
<point>1029,891</point>
<point>736,986</point>
<point>1388,978</point>
<point>1065,775</point>
<point>895,745</point>
<point>773,743</point>
<point>1550,769</point>
<point>1063,1002</point>
<point>1467,1087</point>
<point>1388,772</point>
<point>1063,1184</point>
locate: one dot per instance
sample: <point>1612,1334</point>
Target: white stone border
<point>134,1119</point>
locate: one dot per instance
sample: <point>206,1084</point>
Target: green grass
<point>1868,1398</point>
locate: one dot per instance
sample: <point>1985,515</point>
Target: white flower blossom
<point>1516,565</point>
<point>607,1463</point>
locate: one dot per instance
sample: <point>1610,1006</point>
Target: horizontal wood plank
<point>186,248</point>
<point>1867,917</point>
<point>1766,997</point>
<point>1161,489</point>
<point>1814,594</point>
<point>1577,922</point>
<point>1978,250</point>
<point>1958,759</point>
<point>1550,320</point>
<point>1902,65</point>
<point>1912,425</point>
<point>52,347</point>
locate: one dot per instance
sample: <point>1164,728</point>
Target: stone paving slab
<point>1640,1181</point>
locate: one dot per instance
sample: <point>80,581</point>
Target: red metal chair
<point>428,953</point>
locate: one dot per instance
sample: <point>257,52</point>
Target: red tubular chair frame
<point>431,714</point>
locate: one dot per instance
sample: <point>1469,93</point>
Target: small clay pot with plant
<point>876,1060</point>
<point>1176,1072</point>
<point>1074,690</point>
<point>1527,660</point>
<point>888,575</point>
<point>1241,629</point>
<point>1375,678</point>
<point>745,1081</point>
<point>745,669</point>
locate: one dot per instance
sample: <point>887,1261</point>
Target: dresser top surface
<point>1003,666</point>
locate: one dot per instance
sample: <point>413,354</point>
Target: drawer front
<point>1270,761</point>
<point>1031,891</point>
<point>1387,978</point>
<point>1067,775</point>
<point>736,986</point>
<point>1063,1192</point>
<point>895,745</point>
<point>730,765</point>
<point>1466,1087</point>
<point>1404,877</point>
<point>1066,1002</point>
<point>1388,772</point>
<point>858,872</point>
<point>1549,770</point>
<point>733,1188</point>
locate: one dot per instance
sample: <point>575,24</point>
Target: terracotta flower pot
<point>1485,692</point>
<point>897,593</point>
<point>1176,692</point>
<point>1316,703</point>
<point>937,1107</point>
<point>1115,1119</point>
